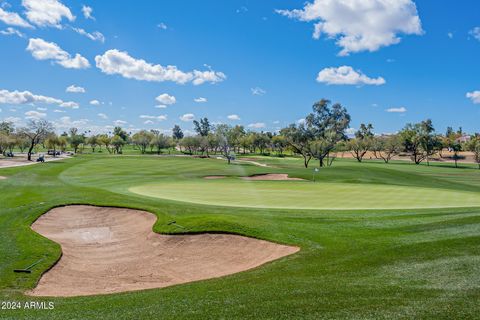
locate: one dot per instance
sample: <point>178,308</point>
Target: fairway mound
<point>272,177</point>
<point>109,250</point>
<point>214,177</point>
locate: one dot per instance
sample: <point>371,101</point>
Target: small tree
<point>35,131</point>
<point>75,139</point>
<point>52,142</point>
<point>105,140</point>
<point>386,147</point>
<point>362,142</point>
<point>117,142</point>
<point>93,142</point>
<point>279,143</point>
<point>474,146</point>
<point>160,141</point>
<point>142,139</point>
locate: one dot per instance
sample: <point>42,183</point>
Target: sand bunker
<point>107,250</point>
<point>214,177</point>
<point>3,178</point>
<point>271,176</point>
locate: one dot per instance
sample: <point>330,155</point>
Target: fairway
<point>306,195</point>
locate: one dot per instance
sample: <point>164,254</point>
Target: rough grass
<point>354,264</point>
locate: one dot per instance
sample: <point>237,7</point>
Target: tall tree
<point>177,132</point>
<point>118,131</point>
<point>35,131</point>
<point>419,140</point>
<point>298,138</point>
<point>327,124</point>
<point>203,127</point>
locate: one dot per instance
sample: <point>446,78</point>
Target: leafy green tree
<point>104,140</point>
<point>327,125</point>
<point>142,140</point>
<point>203,127</point>
<point>177,132</point>
<point>117,142</point>
<point>93,142</point>
<point>52,142</point>
<point>419,140</point>
<point>474,146</point>
<point>118,131</point>
<point>279,143</point>
<point>76,139</point>
<point>362,142</point>
<point>298,138</point>
<point>160,141</point>
<point>386,147</point>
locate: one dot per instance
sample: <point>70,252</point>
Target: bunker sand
<point>272,177</point>
<point>109,250</point>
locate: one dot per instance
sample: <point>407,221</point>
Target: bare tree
<point>35,131</point>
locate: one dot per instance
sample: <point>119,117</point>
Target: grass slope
<point>409,263</point>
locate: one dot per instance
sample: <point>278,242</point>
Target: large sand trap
<point>107,250</point>
<point>271,176</point>
<point>3,178</point>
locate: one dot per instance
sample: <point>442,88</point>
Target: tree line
<point>321,136</point>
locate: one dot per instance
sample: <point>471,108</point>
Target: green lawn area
<point>412,251</point>
<point>307,195</point>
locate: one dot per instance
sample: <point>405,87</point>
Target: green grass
<point>354,264</point>
<point>306,195</point>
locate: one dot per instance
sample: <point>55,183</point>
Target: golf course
<point>373,240</point>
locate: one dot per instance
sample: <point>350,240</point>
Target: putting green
<point>306,195</point>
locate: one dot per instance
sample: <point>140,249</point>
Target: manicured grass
<point>306,195</point>
<point>354,264</point>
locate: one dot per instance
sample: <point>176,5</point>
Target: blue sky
<point>256,63</point>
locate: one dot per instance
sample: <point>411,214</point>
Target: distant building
<point>463,139</point>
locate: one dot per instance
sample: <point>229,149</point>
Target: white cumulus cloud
<point>257,91</point>
<point>75,89</point>
<point>13,19</point>
<point>234,117</point>
<point>158,118</point>
<point>43,50</point>
<point>346,75</point>
<point>166,99</point>
<point>87,12</point>
<point>397,110</point>
<point>257,125</point>
<point>120,62</point>
<point>200,100</point>
<point>360,25</point>
<point>187,117</point>
<point>69,104</point>
<point>95,102</point>
<point>102,115</point>
<point>26,97</point>
<point>35,114</point>
<point>12,32</point>
<point>95,36</point>
<point>474,96</point>
<point>47,13</point>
